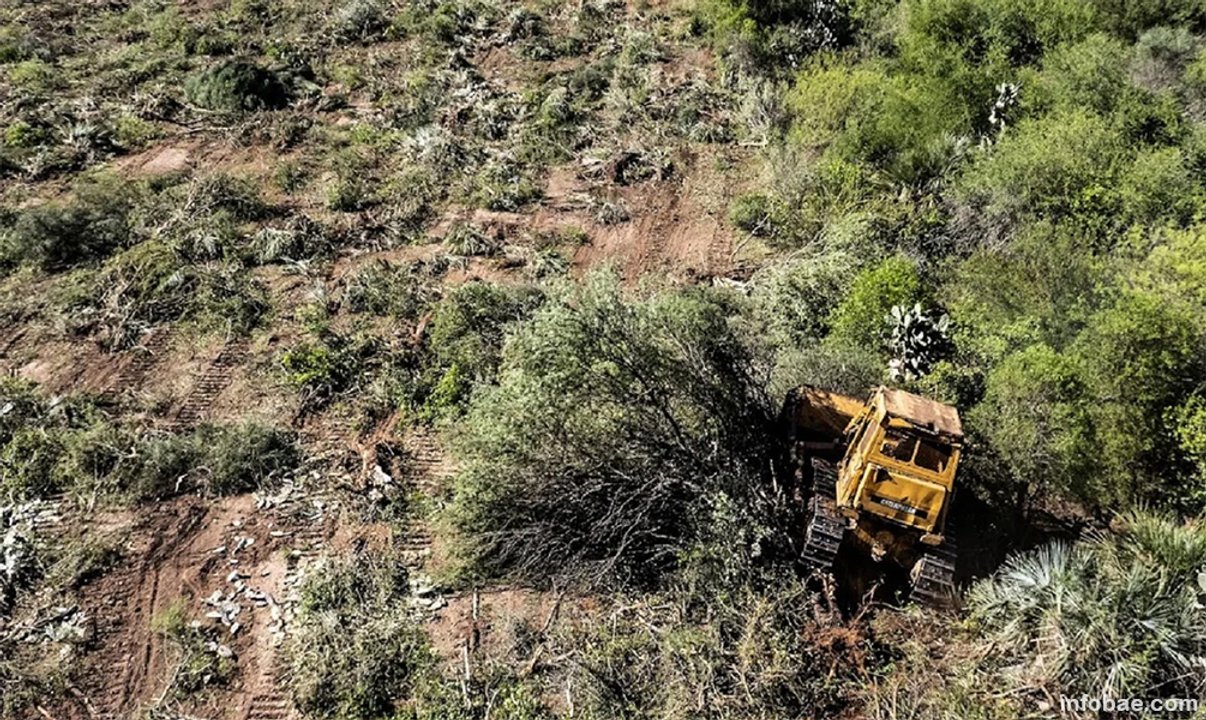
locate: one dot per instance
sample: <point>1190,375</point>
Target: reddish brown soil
<point>171,558</point>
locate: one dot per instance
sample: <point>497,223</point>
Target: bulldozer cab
<point>902,451</point>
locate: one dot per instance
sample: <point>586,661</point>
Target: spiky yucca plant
<point>1118,615</point>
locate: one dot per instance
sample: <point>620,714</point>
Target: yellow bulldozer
<point>881,474</point>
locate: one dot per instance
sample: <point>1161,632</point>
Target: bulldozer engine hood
<point>903,497</point>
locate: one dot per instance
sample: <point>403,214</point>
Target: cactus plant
<point>918,340</point>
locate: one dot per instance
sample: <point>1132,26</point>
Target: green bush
<point>1141,356</point>
<point>861,318</point>
<point>360,20</point>
<point>242,458</point>
<point>604,402</point>
<point>770,34</point>
<point>1059,166</point>
<point>469,326</point>
<point>236,86</point>
<point>1091,74</point>
<point>27,462</point>
<point>1130,20</point>
<point>1188,423</point>
<point>1037,291</point>
<point>468,240</point>
<point>795,298</point>
<point>71,445</point>
<point>215,460</point>
<point>751,212</point>
<point>328,365</point>
<point>503,184</point>
<point>150,284</point>
<point>93,224</point>
<point>1036,416</point>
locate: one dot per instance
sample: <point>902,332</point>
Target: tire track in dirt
<point>144,357</point>
<point>215,379</point>
<point>303,521</point>
<point>129,599</point>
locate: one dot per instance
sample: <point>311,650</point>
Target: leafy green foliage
<point>469,326</point>
<point>327,365</point>
<point>236,86</point>
<point>612,423</point>
<point>862,317</point>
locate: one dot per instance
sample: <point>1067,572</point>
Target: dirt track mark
<point>9,343</point>
<point>126,641</point>
<point>719,254</point>
<point>426,464</point>
<point>210,385</point>
<point>305,518</point>
<point>145,355</point>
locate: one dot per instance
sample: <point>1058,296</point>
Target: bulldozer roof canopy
<point>921,411</point>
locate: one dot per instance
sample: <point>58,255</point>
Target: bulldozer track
<point>272,701</point>
<point>210,385</point>
<point>415,544</point>
<point>337,436</point>
<point>933,576</point>
<point>114,688</point>
<point>826,528</point>
<point>719,255</point>
<point>145,355</point>
<point>306,516</point>
<point>123,638</point>
<point>427,465</point>
<point>13,340</point>
<point>116,664</point>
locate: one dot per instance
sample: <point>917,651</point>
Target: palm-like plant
<point>1117,615</point>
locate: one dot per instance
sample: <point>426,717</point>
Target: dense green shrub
<point>360,20</point>
<point>792,302</point>
<point>94,223</point>
<point>468,327</point>
<point>1036,416</point>
<point>243,457</point>
<point>236,86</point>
<point>212,459</point>
<point>328,364</point>
<point>861,317</point>
<point>1037,291</point>
<point>769,34</point>
<point>1055,167</point>
<point>612,423</point>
